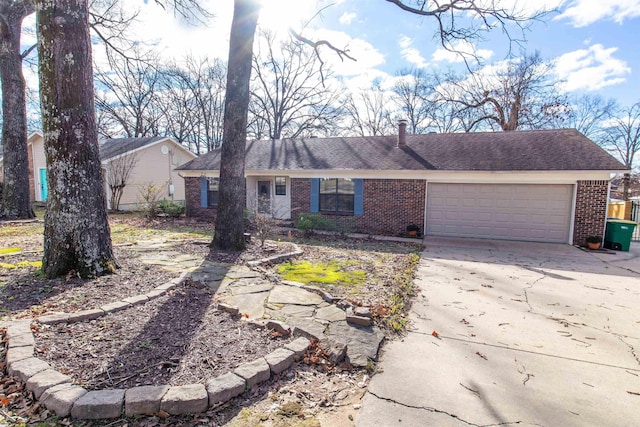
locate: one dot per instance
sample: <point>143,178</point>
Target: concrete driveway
<point>527,334</point>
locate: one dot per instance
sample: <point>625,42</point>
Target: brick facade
<point>389,206</point>
<point>591,210</point>
<point>192,202</point>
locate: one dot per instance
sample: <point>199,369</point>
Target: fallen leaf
<point>435,334</point>
<point>481,355</point>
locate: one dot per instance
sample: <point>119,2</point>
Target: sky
<point>592,42</point>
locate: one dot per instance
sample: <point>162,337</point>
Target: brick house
<point>542,185</point>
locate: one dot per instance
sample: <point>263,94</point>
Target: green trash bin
<point>618,234</point>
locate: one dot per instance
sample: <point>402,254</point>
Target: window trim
<point>282,187</point>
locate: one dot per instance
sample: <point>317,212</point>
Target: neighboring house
<point>547,185</point>
<point>156,158</point>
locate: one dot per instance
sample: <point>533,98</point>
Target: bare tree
<point>518,95</point>
<point>290,93</point>
<point>621,135</point>
<point>368,112</point>
<point>588,114</point>
<point>76,231</point>
<point>127,94</point>
<point>119,172</point>
<point>193,103</point>
<point>229,231</point>
<point>16,197</point>
<point>416,97</point>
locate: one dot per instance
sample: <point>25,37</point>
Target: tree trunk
<point>76,231</point>
<point>16,197</point>
<point>229,233</point>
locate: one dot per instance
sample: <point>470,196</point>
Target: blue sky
<point>593,42</point>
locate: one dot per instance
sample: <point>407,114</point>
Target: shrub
<point>309,222</point>
<point>171,208</point>
<point>149,195</point>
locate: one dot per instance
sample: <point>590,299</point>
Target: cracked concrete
<point>528,334</point>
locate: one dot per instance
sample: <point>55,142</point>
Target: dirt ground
<point>181,338</point>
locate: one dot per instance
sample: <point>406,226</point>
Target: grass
<point>331,273</point>
<point>396,318</point>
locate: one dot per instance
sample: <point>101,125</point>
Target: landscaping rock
<point>282,294</point>
<point>154,294</point>
<point>15,354</point>
<point>299,346</point>
<point>359,320</point>
<point>84,315</point>
<point>279,327</point>
<point>22,340</point>
<point>254,372</point>
<point>60,398</point>
<point>362,311</point>
<point>54,319</point>
<point>331,314</point>
<point>232,310</point>
<point>251,305</point>
<point>115,306</point>
<point>363,342</point>
<point>167,286</point>
<point>336,350</point>
<point>136,300</point>
<point>279,360</point>
<point>44,380</point>
<point>307,328</point>
<point>18,327</point>
<point>186,399</point>
<point>26,368</point>
<point>224,388</point>
<point>143,400</point>
<point>95,405</point>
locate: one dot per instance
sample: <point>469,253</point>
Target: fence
<point>635,216</point>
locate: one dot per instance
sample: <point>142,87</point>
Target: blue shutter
<point>204,188</point>
<point>358,196</point>
<point>315,195</point>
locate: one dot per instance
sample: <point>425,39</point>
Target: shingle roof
<point>114,147</point>
<point>539,150</point>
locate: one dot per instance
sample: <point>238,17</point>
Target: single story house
<point>541,185</point>
<point>155,160</point>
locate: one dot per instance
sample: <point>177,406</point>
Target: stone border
<point>276,258</point>
<point>57,393</point>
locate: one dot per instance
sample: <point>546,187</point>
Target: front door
<point>44,190</point>
<point>264,197</point>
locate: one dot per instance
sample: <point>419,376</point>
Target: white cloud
<point>347,18</point>
<point>591,69</point>
<point>411,54</point>
<point>367,57</point>
<point>585,12</point>
<point>460,50</point>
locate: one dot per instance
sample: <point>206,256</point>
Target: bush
<point>309,222</point>
<point>171,208</point>
<point>149,195</point>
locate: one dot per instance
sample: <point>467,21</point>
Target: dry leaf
<point>435,334</point>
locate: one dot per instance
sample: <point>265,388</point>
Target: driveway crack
<point>438,411</point>
<point>632,349</point>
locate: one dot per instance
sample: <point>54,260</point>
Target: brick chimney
<point>402,133</point>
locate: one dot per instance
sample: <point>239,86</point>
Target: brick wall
<point>192,201</point>
<point>591,210</point>
<point>389,206</point>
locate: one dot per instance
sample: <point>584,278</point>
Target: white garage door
<point>500,211</point>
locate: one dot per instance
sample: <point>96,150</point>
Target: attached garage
<point>529,212</point>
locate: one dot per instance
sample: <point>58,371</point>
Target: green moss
<point>331,273</point>
<point>5,251</point>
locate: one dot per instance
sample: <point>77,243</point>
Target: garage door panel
<point>500,211</point>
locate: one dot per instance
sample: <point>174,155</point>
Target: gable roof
<point>113,147</point>
<point>538,150</point>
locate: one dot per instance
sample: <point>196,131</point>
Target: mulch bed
<point>177,339</point>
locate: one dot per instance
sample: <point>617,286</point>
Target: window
<point>212,191</point>
<point>281,185</point>
<point>337,195</point>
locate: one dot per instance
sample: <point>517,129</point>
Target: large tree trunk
<point>16,198</point>
<point>76,231</point>
<point>229,233</point>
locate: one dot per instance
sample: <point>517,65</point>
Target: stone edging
<point>276,258</point>
<point>56,392</point>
